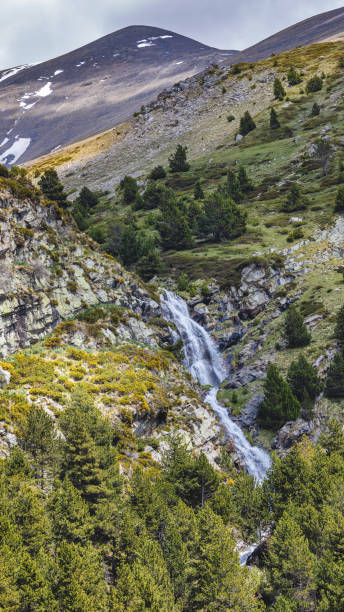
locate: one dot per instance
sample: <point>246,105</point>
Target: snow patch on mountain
<point>44,91</point>
<point>13,71</point>
<point>16,150</point>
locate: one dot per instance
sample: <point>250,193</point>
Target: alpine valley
<point>172,325</point>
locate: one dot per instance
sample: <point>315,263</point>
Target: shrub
<point>304,383</point>
<point>314,84</point>
<point>334,383</point>
<point>157,173</point>
<point>230,118</point>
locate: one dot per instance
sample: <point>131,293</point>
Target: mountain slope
<point>321,27</point>
<point>92,88</point>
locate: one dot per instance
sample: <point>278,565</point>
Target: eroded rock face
<point>49,272</point>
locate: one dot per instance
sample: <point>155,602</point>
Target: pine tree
<point>295,199</point>
<point>232,187</point>
<point>314,84</point>
<point>79,580</point>
<point>198,191</point>
<point>315,110</point>
<point>304,383</point>
<point>295,331</point>
<point>279,404</point>
<point>246,185</point>
<point>224,218</point>
<point>80,462</point>
<point>334,383</point>
<point>130,189</point>
<point>178,161</point>
<point>52,188</point>
<point>247,124</point>
<point>274,122</point>
<point>291,565</point>
<point>69,513</point>
<point>294,78</point>
<point>339,329</point>
<point>128,250</point>
<point>323,151</point>
<point>87,198</point>
<point>219,581</point>
<point>39,438</point>
<point>279,91</point>
<point>157,173</point>
<point>339,207</point>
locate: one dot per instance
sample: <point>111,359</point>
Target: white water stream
<point>203,361</point>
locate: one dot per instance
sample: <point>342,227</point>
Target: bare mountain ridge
<point>93,88</point>
<point>315,29</point>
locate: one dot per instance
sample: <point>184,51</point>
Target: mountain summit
<point>92,88</point>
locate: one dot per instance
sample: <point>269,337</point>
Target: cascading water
<point>203,361</point>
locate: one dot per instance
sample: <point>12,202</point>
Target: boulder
<point>5,378</point>
<point>290,433</point>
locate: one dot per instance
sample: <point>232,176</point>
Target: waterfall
<point>203,361</point>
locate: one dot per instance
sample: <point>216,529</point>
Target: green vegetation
<point>274,122</point>
<point>314,84</point>
<point>52,188</point>
<point>279,91</point>
<point>295,332</point>
<point>247,124</point>
<point>178,161</point>
<point>294,77</point>
<point>279,404</point>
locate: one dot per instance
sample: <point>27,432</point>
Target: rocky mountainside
<point>91,89</point>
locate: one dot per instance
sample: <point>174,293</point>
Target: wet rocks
<point>249,413</point>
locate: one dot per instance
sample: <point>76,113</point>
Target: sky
<point>37,30</point>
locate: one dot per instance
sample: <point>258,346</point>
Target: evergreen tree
<point>334,383</point>
<point>173,225</point>
<point>323,152</point>
<point>69,513</point>
<point>246,185</point>
<point>87,198</point>
<point>304,383</point>
<point>198,191</point>
<point>339,206</point>
<point>150,265</point>
<point>279,405</point>
<point>294,330</point>
<point>39,438</point>
<point>274,122</point>
<point>315,110</point>
<point>130,189</point>
<point>291,565</point>
<point>178,161</point>
<point>157,173</point>
<point>279,91</point>
<point>79,580</point>
<point>339,329</point>
<point>80,463</point>
<point>220,583</point>
<point>294,78</point>
<point>247,124</point>
<point>295,199</point>
<point>52,188</point>
<point>232,187</point>
<point>224,218</point>
<point>128,250</point>
<point>314,84</point>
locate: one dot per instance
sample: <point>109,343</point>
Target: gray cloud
<point>35,30</point>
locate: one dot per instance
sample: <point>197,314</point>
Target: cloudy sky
<point>35,30</point>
